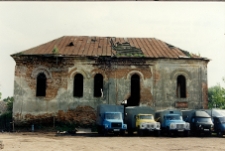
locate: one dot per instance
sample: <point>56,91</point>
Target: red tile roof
<point>109,46</point>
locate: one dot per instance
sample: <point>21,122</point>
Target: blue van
<point>218,118</point>
<point>219,125</point>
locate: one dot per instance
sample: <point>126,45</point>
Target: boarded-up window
<point>78,85</point>
<point>41,85</point>
<point>181,86</point>
<point>98,85</point>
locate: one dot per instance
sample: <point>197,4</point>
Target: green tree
<point>9,102</point>
<point>216,97</point>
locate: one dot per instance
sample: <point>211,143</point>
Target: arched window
<point>41,85</point>
<point>134,99</point>
<point>78,85</point>
<point>181,87</point>
<point>98,85</point>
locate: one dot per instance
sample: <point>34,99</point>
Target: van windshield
<point>204,119</point>
<point>150,117</point>
<point>113,116</point>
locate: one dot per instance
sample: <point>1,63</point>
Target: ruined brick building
<point>65,79</point>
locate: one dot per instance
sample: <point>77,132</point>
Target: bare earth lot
<point>37,141</point>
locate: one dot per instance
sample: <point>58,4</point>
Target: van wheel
<point>208,134</point>
<point>197,133</point>
<point>219,133</point>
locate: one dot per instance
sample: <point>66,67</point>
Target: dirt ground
<point>85,141</point>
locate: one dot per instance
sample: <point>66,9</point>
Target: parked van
<point>218,118</point>
<point>199,120</point>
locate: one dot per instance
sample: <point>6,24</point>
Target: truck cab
<point>113,121</point>
<point>146,122</point>
<point>110,120</point>
<point>140,119</point>
<point>172,122</point>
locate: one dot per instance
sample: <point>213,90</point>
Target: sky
<point>197,27</point>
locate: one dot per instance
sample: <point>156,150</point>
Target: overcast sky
<point>197,27</point>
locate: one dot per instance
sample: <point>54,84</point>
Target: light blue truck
<point>172,122</point>
<point>110,119</point>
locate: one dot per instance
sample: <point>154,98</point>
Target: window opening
<point>78,85</point>
<point>41,85</point>
<point>181,87</point>
<point>98,85</point>
<point>134,99</point>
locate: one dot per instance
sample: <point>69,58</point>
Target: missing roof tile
<point>93,39</point>
<point>70,44</point>
<point>170,46</point>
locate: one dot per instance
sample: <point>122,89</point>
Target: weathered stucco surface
<point>194,71</point>
<point>158,81</point>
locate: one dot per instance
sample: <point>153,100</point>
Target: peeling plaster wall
<point>166,73</point>
<point>157,87</point>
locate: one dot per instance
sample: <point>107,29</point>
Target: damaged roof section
<point>126,50</point>
<point>109,46</point>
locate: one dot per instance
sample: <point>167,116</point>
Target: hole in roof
<point>170,46</point>
<point>70,44</point>
<point>93,39</point>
